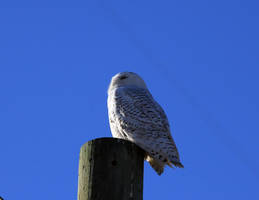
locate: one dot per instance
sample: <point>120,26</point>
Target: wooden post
<point>110,169</point>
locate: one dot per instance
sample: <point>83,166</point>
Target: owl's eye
<point>123,77</point>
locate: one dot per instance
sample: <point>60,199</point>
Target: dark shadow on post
<point>110,169</point>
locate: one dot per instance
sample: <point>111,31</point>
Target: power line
<point>205,114</point>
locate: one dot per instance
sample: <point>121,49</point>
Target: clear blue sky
<point>200,60</point>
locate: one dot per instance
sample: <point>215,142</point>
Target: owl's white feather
<point>134,115</point>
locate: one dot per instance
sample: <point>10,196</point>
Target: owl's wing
<point>142,120</point>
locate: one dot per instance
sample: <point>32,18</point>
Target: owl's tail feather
<point>178,164</point>
<point>156,165</point>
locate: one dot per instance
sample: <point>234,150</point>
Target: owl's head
<point>126,79</point>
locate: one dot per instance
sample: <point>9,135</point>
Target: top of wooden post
<point>110,168</point>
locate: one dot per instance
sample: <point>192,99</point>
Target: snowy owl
<point>135,116</point>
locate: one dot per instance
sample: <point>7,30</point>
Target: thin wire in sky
<point>232,145</point>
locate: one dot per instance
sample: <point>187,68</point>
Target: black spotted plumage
<point>135,115</point>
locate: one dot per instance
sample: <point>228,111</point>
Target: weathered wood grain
<point>110,169</point>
